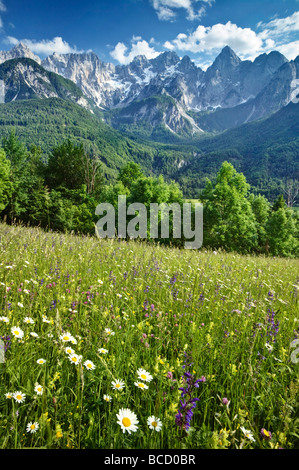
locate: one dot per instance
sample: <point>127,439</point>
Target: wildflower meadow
<point>122,345</point>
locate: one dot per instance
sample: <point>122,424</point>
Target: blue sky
<point>119,30</point>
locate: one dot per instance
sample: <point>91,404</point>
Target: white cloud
<point>45,46</point>
<point>280,26</point>
<point>2,6</point>
<point>167,9</point>
<point>277,34</point>
<point>11,40</point>
<point>290,50</point>
<point>281,34</point>
<point>209,39</point>
<point>138,47</point>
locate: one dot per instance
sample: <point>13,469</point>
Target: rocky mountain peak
<point>19,51</point>
<point>165,59</point>
<point>227,58</point>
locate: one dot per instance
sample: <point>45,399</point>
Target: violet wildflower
<point>185,413</point>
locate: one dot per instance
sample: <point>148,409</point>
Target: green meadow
<point>101,335</point>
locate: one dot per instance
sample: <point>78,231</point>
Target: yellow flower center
<point>141,385</point>
<point>117,385</point>
<point>74,359</point>
<point>32,426</point>
<point>89,365</point>
<point>16,332</point>
<point>19,397</point>
<point>266,433</point>
<point>126,422</point>
<point>66,338</point>
<point>143,376</point>
<point>154,424</point>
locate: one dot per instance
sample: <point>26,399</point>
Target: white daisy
<point>32,427</point>
<point>141,385</point>
<point>19,397</point>
<point>69,350</point>
<point>89,365</point>
<point>118,385</point>
<point>65,337</point>
<point>75,359</point>
<point>9,395</point>
<point>154,423</point>
<point>20,305</point>
<point>28,320</point>
<point>35,335</point>
<point>4,319</point>
<point>17,332</point>
<point>144,375</point>
<point>41,361</point>
<point>73,340</point>
<point>38,389</point>
<point>107,398</point>
<point>103,351</point>
<point>45,320</point>
<point>269,347</point>
<point>109,332</point>
<point>127,420</point>
<point>247,433</point>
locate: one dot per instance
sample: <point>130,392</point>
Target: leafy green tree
<point>229,221</point>
<point>281,232</point>
<point>6,186</point>
<point>65,167</point>
<point>279,203</point>
<point>17,154</point>
<point>72,165</point>
<point>129,174</point>
<point>261,209</point>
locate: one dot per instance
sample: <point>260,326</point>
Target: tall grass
<point>234,316</point>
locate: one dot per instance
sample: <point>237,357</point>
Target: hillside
<point>48,122</point>
<point>25,79</point>
<point>266,151</point>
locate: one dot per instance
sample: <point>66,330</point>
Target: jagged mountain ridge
<point>243,90</point>
<point>17,52</point>
<point>22,79</point>
<point>260,88</point>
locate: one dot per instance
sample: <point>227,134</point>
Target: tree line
<point>62,192</point>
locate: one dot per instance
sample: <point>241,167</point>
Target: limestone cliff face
<point>247,90</point>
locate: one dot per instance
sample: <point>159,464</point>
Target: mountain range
<point>167,91</point>
<point>165,113</point>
